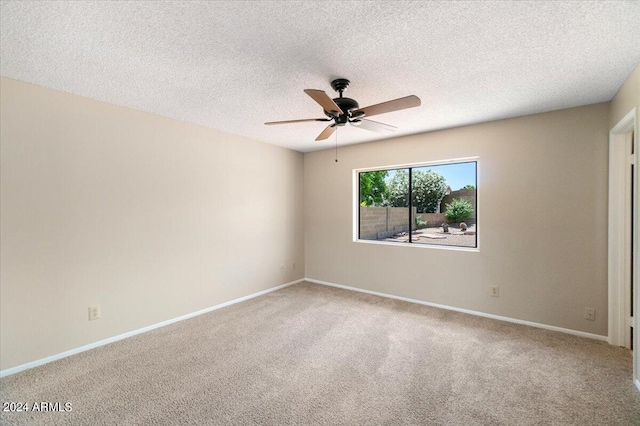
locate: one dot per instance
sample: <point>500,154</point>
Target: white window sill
<point>420,245</point>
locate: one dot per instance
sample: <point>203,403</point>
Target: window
<point>439,200</point>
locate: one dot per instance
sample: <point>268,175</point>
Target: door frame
<point>618,322</point>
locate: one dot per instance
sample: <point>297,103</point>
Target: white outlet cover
<point>94,312</point>
<point>590,314</point>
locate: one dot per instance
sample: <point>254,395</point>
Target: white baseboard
<point>36,363</point>
<point>465,311</point>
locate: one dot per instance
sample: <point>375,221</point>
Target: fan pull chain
<point>336,144</point>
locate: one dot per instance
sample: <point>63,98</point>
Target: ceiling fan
<point>342,110</point>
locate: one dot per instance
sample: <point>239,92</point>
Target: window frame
<point>356,203</point>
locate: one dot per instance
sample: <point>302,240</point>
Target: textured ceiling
<point>234,65</point>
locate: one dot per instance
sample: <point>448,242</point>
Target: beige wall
<point>626,99</point>
<point>548,257</point>
<point>154,218</point>
<point>151,218</point>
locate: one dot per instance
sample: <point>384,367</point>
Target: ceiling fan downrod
<point>340,85</point>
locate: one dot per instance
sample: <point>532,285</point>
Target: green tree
<point>373,188</point>
<point>469,187</point>
<point>399,189</point>
<point>458,210</point>
<point>428,190</point>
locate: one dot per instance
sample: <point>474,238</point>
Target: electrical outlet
<point>293,266</point>
<point>282,267</point>
<point>590,314</point>
<point>494,291</point>
<point>94,312</point>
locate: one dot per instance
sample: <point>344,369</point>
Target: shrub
<point>420,222</point>
<point>458,210</point>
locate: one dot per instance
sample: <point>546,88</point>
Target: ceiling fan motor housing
<point>345,104</point>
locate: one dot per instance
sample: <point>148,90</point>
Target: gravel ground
<point>455,237</point>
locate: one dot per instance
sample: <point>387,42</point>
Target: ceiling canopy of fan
<point>343,110</point>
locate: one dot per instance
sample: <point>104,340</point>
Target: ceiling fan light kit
<point>342,110</point>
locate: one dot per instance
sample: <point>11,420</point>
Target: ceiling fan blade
<point>324,100</point>
<point>328,131</point>
<point>389,106</point>
<point>374,126</point>
<point>269,123</point>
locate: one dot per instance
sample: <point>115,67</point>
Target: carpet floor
<point>315,355</point>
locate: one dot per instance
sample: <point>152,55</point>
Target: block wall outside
<point>382,222</point>
<point>433,219</point>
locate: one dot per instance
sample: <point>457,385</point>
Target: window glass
<point>442,209</point>
<point>384,204</point>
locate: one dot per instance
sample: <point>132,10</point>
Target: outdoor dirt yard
<point>436,236</point>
